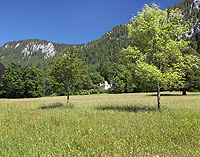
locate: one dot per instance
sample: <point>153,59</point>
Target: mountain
<point>105,49</point>
<point>32,52</point>
<point>41,53</point>
<point>95,54</point>
<point>191,12</point>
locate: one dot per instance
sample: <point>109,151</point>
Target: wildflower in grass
<point>132,148</point>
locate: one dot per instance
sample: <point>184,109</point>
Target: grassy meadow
<point>101,125</point>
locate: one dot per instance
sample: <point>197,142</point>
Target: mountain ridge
<point>41,53</point>
<point>33,52</point>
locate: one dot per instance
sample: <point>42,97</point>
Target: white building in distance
<point>106,86</point>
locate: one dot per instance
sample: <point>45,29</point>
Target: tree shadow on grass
<point>52,106</point>
<point>166,95</point>
<point>128,108</point>
<point>172,94</point>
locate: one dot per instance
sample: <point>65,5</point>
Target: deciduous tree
<point>22,81</point>
<point>155,49</point>
<point>68,70</point>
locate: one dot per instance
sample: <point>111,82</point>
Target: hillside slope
<point>95,54</point>
<point>41,53</point>
<point>191,12</point>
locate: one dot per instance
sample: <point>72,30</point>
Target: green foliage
<point>94,54</point>
<point>191,73</point>
<point>54,94</point>
<point>86,82</point>
<point>155,52</point>
<point>97,79</point>
<point>67,71</point>
<point>13,53</point>
<point>120,78</point>
<point>195,42</point>
<point>22,82</point>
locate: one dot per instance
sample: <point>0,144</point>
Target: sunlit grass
<point>101,125</point>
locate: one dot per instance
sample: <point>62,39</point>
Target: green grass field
<point>101,125</point>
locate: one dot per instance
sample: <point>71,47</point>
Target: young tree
<point>155,48</point>
<point>68,70</point>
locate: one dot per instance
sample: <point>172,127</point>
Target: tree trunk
<point>158,95</point>
<point>184,91</point>
<point>68,95</point>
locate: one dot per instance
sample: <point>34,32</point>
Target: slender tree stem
<point>68,93</point>
<point>158,95</point>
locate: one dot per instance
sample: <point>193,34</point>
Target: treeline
<point>18,81</point>
<point>103,62</point>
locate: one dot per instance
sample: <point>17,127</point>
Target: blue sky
<point>66,21</point>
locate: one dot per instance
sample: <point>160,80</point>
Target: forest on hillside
<point>104,60</point>
<point>100,68</point>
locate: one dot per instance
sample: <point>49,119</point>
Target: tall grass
<point>101,125</point>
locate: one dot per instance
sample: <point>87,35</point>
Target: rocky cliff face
<point>194,10</point>
<point>48,50</point>
<point>191,12</point>
<point>32,52</point>
<point>29,48</point>
<point>195,5</point>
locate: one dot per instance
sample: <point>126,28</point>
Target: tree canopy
<point>21,82</point>
<point>155,51</point>
<point>68,70</point>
